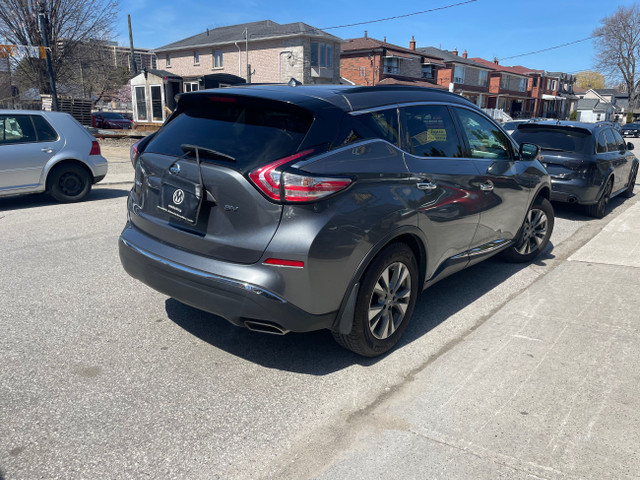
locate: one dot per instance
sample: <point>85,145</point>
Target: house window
<point>217,59</point>
<point>190,86</point>
<point>458,74</point>
<point>363,71</point>
<point>483,78</point>
<point>554,84</point>
<point>522,87</point>
<point>535,81</point>
<point>196,58</point>
<point>548,84</point>
<point>504,81</point>
<point>168,60</point>
<point>427,71</point>
<point>391,65</point>
<point>321,55</point>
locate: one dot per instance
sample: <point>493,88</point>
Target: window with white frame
<point>458,74</point>
<point>321,55</point>
<point>190,86</point>
<point>427,71</point>
<point>196,58</point>
<point>363,71</point>
<point>168,60</point>
<point>391,65</point>
<point>483,78</point>
<point>217,59</point>
<point>554,84</point>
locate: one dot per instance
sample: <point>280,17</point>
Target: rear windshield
<point>554,138</point>
<point>250,130</point>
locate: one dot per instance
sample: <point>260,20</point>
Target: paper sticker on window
<point>436,135</point>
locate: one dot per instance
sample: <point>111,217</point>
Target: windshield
<point>250,130</point>
<point>554,138</point>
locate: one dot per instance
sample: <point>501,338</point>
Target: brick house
<point>508,89</point>
<point>276,53</point>
<point>461,75</point>
<point>552,93</point>
<point>368,61</point>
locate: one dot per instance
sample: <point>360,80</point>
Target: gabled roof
<point>263,30</point>
<point>369,44</point>
<point>606,91</point>
<point>497,67</point>
<point>449,57</point>
<point>587,103</point>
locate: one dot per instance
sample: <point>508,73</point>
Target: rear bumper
<point>576,190</point>
<point>236,300</point>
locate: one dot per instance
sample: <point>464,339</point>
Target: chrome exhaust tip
<point>264,327</point>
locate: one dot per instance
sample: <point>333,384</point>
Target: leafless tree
<point>72,23</point>
<point>617,43</point>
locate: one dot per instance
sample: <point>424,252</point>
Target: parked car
<point>48,151</point>
<point>298,208</point>
<point>110,120</point>
<point>511,125</point>
<point>588,163</point>
<point>631,130</point>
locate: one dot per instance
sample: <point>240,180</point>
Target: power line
<point>550,48</point>
<point>401,16</point>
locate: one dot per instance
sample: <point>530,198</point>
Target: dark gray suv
<point>287,208</point>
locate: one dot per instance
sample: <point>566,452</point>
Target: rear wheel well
<point>64,163</point>
<point>418,249</point>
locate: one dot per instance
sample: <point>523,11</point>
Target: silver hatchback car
<point>48,152</point>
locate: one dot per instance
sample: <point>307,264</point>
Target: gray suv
<point>48,151</point>
<point>285,208</point>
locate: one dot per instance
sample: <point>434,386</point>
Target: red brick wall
<point>350,68</point>
<point>445,77</point>
<point>494,83</point>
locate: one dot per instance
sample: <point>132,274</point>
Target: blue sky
<point>485,28</point>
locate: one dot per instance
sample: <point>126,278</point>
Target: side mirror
<point>529,151</point>
<point>630,146</point>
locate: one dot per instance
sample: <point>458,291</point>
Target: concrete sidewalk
<point>547,387</point>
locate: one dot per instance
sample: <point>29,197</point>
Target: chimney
<point>496,61</point>
<point>412,43</point>
<point>365,34</point>
<point>464,54</point>
<point>384,39</point>
<point>455,52</point>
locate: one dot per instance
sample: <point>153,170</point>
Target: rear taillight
<point>133,153</point>
<point>95,148</point>
<point>295,187</point>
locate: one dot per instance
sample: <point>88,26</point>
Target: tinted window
<point>485,139</point>
<point>612,145</point>
<point>601,143</point>
<point>429,132</point>
<point>619,140</point>
<point>253,131</point>
<point>550,137</point>
<point>381,124</point>
<point>112,115</point>
<point>16,129</point>
<point>45,132</point>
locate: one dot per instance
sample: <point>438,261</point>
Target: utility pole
<point>133,67</point>
<point>44,32</point>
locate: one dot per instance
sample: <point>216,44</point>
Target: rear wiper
<point>205,152</point>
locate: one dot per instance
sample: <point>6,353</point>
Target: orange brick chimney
<point>455,52</point>
<point>412,43</point>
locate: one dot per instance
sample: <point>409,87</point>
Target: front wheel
<point>385,302</point>
<point>534,233</point>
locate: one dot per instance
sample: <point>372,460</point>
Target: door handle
<point>47,150</point>
<point>426,186</point>
<point>487,186</point>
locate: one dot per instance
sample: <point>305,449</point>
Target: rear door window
<point>619,140</point>
<point>429,132</point>
<point>247,131</point>
<point>601,143</point>
<point>612,145</point>
<point>485,139</point>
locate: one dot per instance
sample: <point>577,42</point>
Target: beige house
<point>274,53</point>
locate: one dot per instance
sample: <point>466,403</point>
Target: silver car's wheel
<point>389,300</point>
<point>534,231</point>
<point>385,301</point>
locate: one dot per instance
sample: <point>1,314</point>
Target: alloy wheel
<point>534,231</point>
<point>389,300</point>
<point>604,200</point>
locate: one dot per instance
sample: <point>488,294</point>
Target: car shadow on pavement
<point>573,211</point>
<point>20,202</point>
<point>316,353</point>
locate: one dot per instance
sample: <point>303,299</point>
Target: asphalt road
<point>102,377</point>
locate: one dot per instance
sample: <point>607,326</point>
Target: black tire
<point>628,193</point>
<point>534,234</point>
<point>69,183</point>
<point>599,210</point>
<point>393,302</point>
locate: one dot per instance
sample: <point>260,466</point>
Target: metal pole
<point>44,32</point>
<point>246,36</point>
<point>133,66</point>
